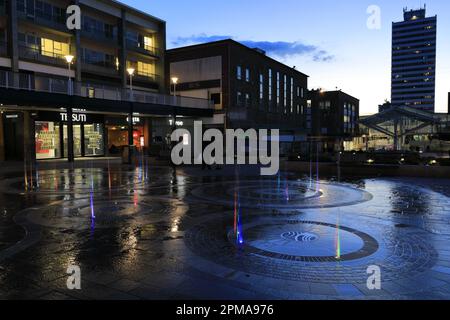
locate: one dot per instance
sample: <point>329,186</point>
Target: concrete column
<point>2,140</point>
<point>396,134</point>
<point>130,135</point>
<point>28,137</point>
<point>70,153</point>
<point>160,63</point>
<point>148,133</point>
<point>76,51</point>
<point>123,49</point>
<point>13,40</point>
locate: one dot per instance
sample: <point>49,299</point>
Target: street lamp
<point>175,81</point>
<point>131,74</point>
<point>69,58</point>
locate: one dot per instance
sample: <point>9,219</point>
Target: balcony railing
<point>87,90</point>
<point>99,35</point>
<point>36,54</point>
<point>51,22</point>
<point>146,50</point>
<point>145,77</point>
<point>102,68</point>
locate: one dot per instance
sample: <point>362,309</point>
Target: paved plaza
<point>150,232</point>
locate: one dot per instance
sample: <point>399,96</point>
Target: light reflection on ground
<point>152,233</point>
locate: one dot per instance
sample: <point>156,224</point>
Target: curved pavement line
<point>32,236</point>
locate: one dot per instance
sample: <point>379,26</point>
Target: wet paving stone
<point>154,233</point>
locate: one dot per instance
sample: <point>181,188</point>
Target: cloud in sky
<point>282,49</point>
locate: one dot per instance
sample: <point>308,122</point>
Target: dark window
<point>30,7</point>
<point>21,5</point>
<point>98,58</point>
<point>92,25</point>
<point>2,35</point>
<point>215,98</point>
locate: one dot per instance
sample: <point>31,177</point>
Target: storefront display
<point>47,140</point>
<point>94,140</point>
<point>51,135</point>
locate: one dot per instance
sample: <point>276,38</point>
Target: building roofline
<point>133,10</point>
<point>333,92</point>
<point>233,42</point>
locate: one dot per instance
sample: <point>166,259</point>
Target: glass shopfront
<point>116,130</point>
<point>47,136</point>
<point>52,136</point>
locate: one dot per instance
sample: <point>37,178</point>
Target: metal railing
<point>136,46</point>
<point>100,68</point>
<point>87,90</point>
<point>99,35</point>
<point>49,21</point>
<point>36,54</point>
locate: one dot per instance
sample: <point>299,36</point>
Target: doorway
<point>77,143</point>
<point>14,138</point>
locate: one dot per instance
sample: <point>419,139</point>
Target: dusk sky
<point>326,39</point>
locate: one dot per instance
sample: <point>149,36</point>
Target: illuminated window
<point>148,43</point>
<point>270,86</point>
<point>143,69</point>
<point>239,72</point>
<point>292,95</point>
<point>261,87</point>
<point>278,88</point>
<point>285,94</point>
<point>247,75</point>
<point>51,48</point>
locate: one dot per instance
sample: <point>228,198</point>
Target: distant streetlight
<point>131,74</point>
<point>69,59</point>
<point>175,82</point>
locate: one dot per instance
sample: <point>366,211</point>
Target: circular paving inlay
<point>335,243</point>
<point>310,251</point>
<point>299,236</point>
<point>281,194</point>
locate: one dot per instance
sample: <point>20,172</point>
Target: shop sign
<point>76,117</point>
<point>177,123</point>
<point>135,120</point>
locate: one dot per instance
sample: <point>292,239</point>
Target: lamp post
<point>175,82</point>
<point>130,118</point>
<point>70,153</point>
<point>131,74</point>
<point>69,58</point>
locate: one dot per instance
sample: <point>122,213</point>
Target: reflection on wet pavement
<point>155,233</point>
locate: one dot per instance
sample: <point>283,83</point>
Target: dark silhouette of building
<point>334,119</point>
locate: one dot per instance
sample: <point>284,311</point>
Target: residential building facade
<point>82,92</point>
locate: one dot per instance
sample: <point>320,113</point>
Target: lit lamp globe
<point>131,71</point>
<point>69,58</point>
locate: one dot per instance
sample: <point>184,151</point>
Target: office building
<point>249,89</point>
<point>414,61</point>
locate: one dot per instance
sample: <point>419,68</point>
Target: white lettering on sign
<point>177,123</point>
<point>76,117</point>
<point>135,120</point>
